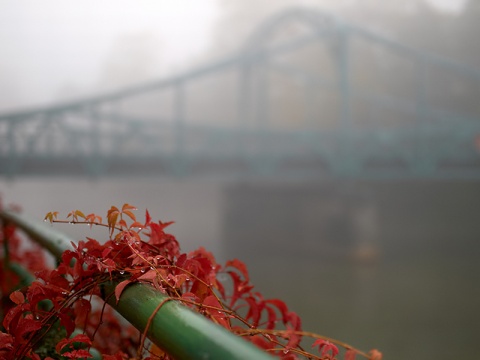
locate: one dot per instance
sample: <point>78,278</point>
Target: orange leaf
<point>129,214</point>
<point>136,224</point>
<point>156,351</point>
<point>122,223</point>
<point>112,217</point>
<point>128,207</point>
<point>375,354</point>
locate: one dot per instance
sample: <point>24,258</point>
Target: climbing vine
<point>59,314</point>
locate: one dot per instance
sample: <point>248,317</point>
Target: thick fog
<point>371,243</point>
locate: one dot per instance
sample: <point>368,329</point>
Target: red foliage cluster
<point>58,306</point>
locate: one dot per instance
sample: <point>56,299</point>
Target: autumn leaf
<point>350,354</point>
<point>79,338</point>
<point>137,225</point>
<point>148,218</point>
<point>93,218</point>
<point>6,341</point>
<point>128,207</point>
<point>126,210</point>
<point>325,346</point>
<point>51,216</point>
<point>77,354</point>
<point>215,311</point>
<point>375,355</point>
<point>281,306</point>
<point>117,356</point>
<point>121,223</point>
<point>240,266</point>
<point>26,326</point>
<point>120,287</point>
<point>112,216</point>
<point>151,256</point>
<point>75,214</point>
<point>82,308</point>
<point>149,275</point>
<point>17,297</point>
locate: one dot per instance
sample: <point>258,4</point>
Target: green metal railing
<point>176,329</point>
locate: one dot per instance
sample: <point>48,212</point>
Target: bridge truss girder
<point>273,132</point>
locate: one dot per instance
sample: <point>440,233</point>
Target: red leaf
<point>11,319</point>
<point>120,287</point>
<point>67,344</point>
<point>81,338</point>
<point>67,320</point>
<point>148,218</point>
<point>240,266</point>
<point>272,318</point>
<point>117,356</point>
<point>61,344</point>
<point>106,251</point>
<point>254,311</point>
<point>280,305</point>
<point>82,308</point>
<point>149,275</point>
<point>77,354</point>
<point>6,341</point>
<point>262,343</point>
<point>324,346</point>
<point>25,326</point>
<point>350,355</point>
<point>17,297</point>
<point>190,297</point>
<point>218,316</point>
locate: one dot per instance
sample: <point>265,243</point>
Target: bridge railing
<point>412,133</point>
<point>174,328</point>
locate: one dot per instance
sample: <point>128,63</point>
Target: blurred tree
<point>134,58</point>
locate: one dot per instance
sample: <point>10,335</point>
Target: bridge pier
<point>324,220</point>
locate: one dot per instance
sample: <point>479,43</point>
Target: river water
<point>417,298</point>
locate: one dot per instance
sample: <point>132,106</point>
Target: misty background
<point>388,264</point>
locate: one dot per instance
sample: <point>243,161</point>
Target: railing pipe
<point>176,329</point>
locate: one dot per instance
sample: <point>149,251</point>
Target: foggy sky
<point>55,50</point>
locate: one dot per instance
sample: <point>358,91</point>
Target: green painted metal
<point>179,331</point>
<point>49,238</point>
<point>176,329</point>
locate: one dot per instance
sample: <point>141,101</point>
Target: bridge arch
<point>319,21</point>
<point>271,64</point>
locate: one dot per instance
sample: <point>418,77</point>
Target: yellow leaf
<point>80,214</point>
